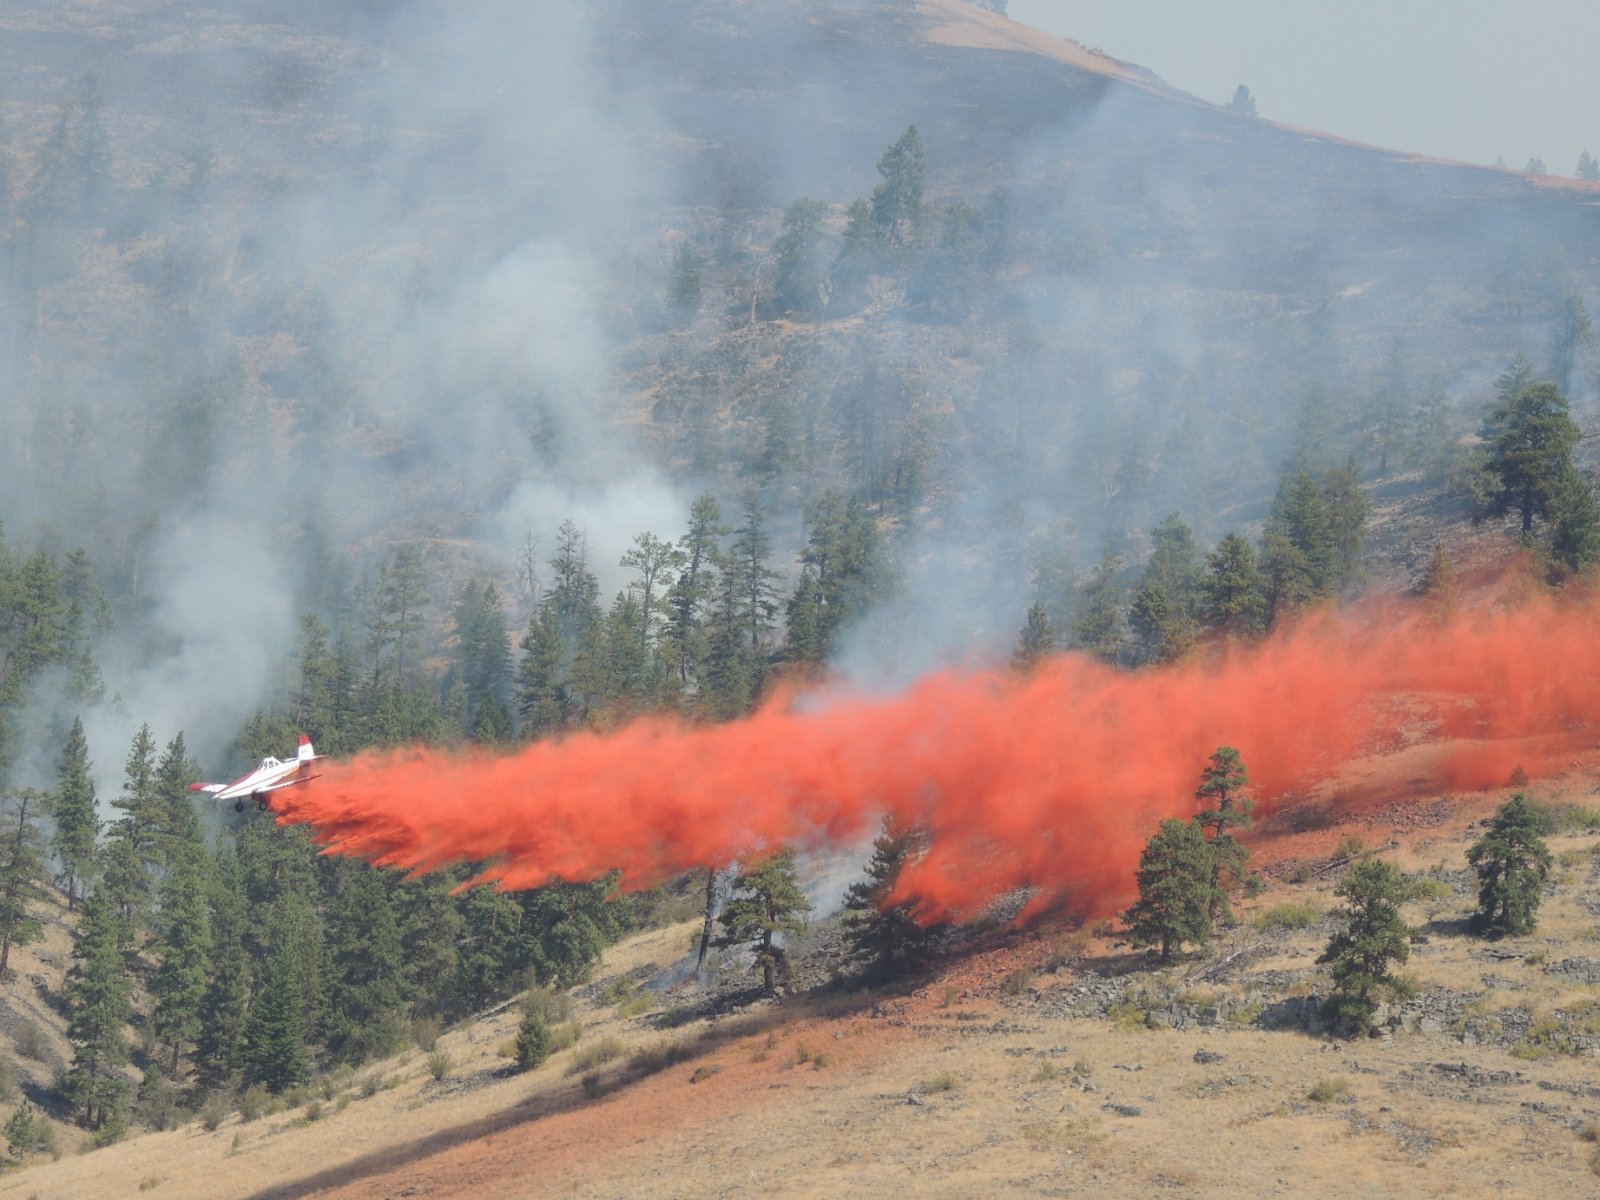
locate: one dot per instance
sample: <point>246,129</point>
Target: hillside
<point>1043,1063</point>
<point>628,438</point>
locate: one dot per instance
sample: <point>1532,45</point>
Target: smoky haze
<point>300,283</point>
<point>1436,77</point>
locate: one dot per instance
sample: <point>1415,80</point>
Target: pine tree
<point>1174,905</point>
<point>99,1008</point>
<point>1224,808</point>
<point>1512,862</point>
<point>1530,437</point>
<point>184,948</point>
<point>766,903</point>
<point>690,594</point>
<point>802,285</point>
<point>1036,641</point>
<point>176,823</point>
<point>226,1002</point>
<point>898,211</point>
<point>488,947</point>
<point>366,966</point>
<point>77,822</point>
<point>845,570</point>
<point>888,937</point>
<point>1098,626</point>
<point>1588,168</point>
<point>542,698</point>
<point>273,1049</point>
<point>1231,600</point>
<point>22,873</point>
<point>431,929</point>
<point>1374,935</point>
<point>749,565</point>
<point>1575,534</point>
<point>657,564</point>
<point>132,852</point>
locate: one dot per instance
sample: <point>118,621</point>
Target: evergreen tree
<point>316,698</point>
<point>488,949</point>
<point>132,853</point>
<point>1575,534</point>
<point>394,624</point>
<point>1174,905</point>
<point>656,563</point>
<point>844,570</point>
<point>1097,626</point>
<point>1512,862</point>
<point>431,929</point>
<point>184,947</point>
<point>177,824</point>
<point>1347,510</point>
<point>22,873</point>
<point>690,594</point>
<point>766,903</point>
<point>226,1002</point>
<point>898,210</point>
<point>99,1007</point>
<point>1037,640</point>
<point>274,1047</point>
<point>749,567</point>
<point>1588,168</point>
<point>77,822</point>
<point>1530,437</point>
<point>733,670</point>
<point>1296,548</point>
<point>1231,600</point>
<point>1243,103</point>
<point>25,1131</point>
<point>1224,808</point>
<point>886,936</point>
<point>366,966</point>
<point>1440,585</point>
<point>802,274</point>
<point>1572,334</point>
<point>1374,935</point>
<point>541,697</point>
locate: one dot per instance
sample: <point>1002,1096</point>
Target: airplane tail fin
<point>305,753</point>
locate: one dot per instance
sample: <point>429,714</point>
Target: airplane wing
<point>207,787</point>
<point>286,783</point>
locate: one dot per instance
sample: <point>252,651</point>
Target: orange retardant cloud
<point>1051,781</point>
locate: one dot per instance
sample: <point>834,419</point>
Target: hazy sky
<point>1465,79</point>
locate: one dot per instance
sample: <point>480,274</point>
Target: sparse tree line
<point>1310,549</point>
<point>1189,868</point>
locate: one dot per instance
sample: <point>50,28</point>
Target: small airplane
<point>271,776</point>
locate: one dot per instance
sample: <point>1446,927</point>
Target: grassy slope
<point>1012,1092</point>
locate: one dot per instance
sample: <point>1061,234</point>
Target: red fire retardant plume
<point>1052,781</point>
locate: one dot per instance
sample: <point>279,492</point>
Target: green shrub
<point>253,1102</point>
<point>1324,1091</point>
<point>534,1042</point>
<point>945,1081</point>
<point>314,1111</point>
<point>596,1054</point>
<point>8,1080</point>
<point>650,1059</point>
<point>565,1037</point>
<point>1293,914</point>
<point>425,1033</point>
<point>1568,818</point>
<point>439,1064</point>
<point>31,1042</point>
<point>214,1111</point>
